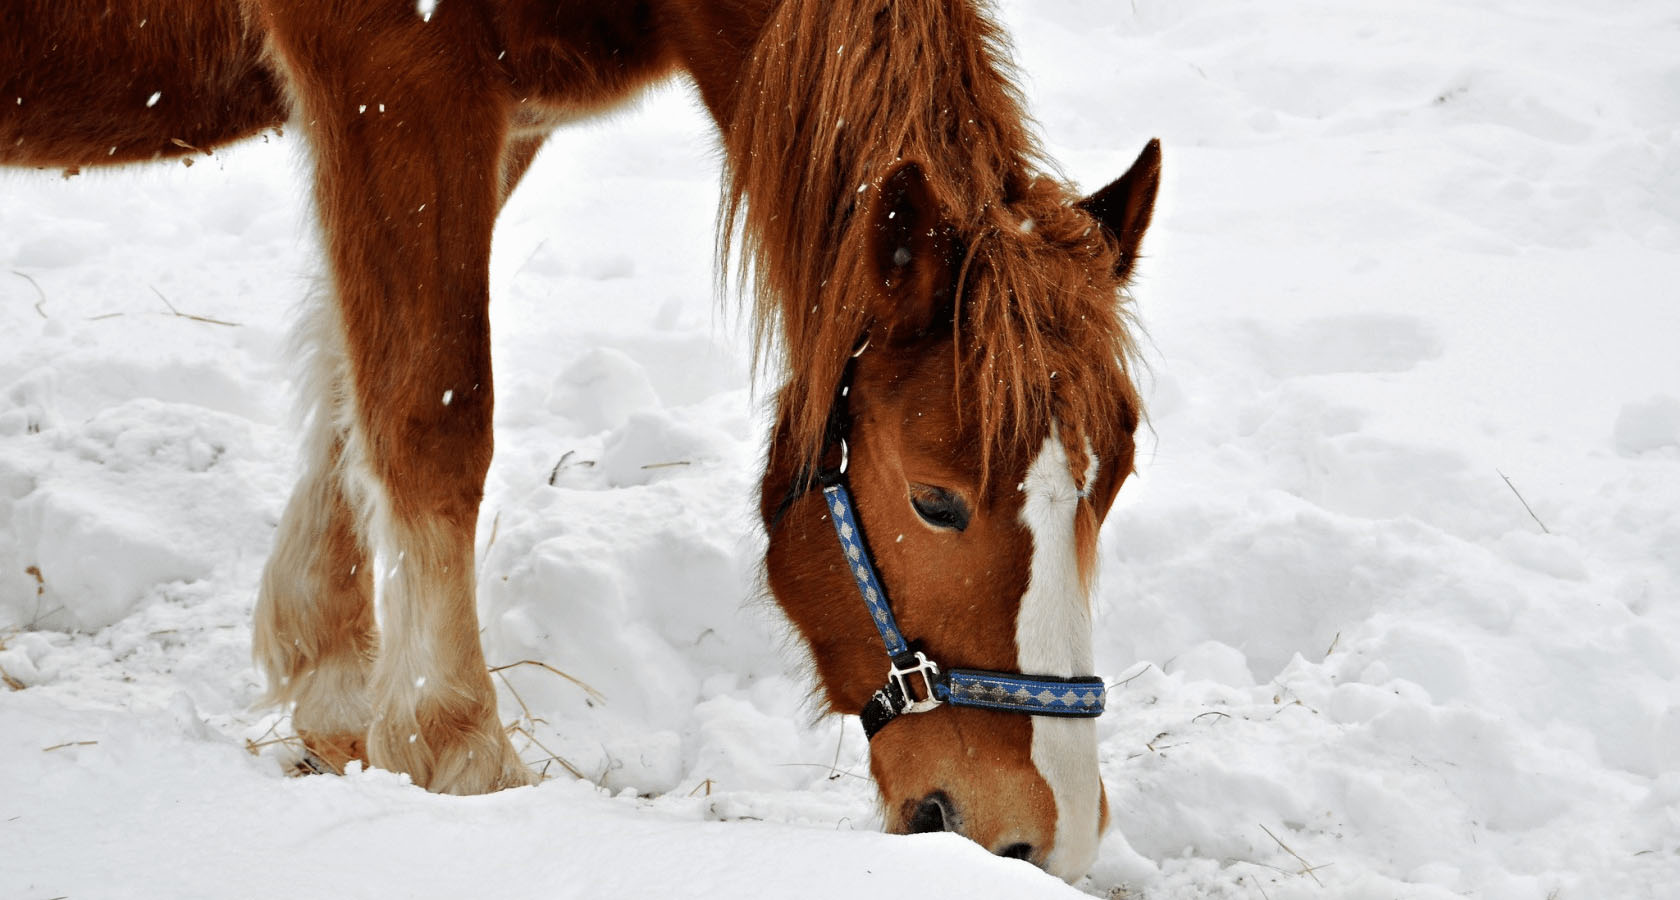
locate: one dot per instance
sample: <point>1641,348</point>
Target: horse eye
<point>939,507</point>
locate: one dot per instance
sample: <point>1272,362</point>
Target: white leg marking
<point>1053,637</point>
<point>333,697</point>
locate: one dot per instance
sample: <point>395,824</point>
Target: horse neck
<point>815,99</point>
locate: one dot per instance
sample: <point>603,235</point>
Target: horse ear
<point>1125,206</point>
<point>912,247</point>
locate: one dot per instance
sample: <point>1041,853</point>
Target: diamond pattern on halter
<point>863,571</point>
<point>994,690</point>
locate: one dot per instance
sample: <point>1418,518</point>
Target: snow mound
<point>1648,426</point>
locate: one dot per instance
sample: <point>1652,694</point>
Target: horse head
<point>935,540</point>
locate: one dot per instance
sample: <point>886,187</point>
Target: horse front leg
<point>408,127</point>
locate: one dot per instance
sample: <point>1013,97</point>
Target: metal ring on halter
<point>929,670</point>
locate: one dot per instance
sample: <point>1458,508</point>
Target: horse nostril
<point>932,814</point>
<point>1017,851</point>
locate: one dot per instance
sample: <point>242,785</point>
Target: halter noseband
<point>910,669</point>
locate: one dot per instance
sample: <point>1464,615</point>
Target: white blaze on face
<point>1053,637</point>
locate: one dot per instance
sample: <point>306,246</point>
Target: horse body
<point>80,78</point>
<point>919,277</point>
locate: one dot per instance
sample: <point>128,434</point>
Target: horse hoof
<point>329,754</point>
<point>310,764</point>
<point>472,757</point>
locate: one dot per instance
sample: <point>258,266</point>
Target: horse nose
<point>934,813</point>
<point>937,812</point>
<point>1017,851</point>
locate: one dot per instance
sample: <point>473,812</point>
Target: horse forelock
<point>1043,333</point>
<point>837,91</point>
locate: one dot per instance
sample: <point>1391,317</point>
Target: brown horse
<point>947,315</point>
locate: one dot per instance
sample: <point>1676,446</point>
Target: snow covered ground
<point>1403,253</point>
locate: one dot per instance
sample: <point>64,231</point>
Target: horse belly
<point>570,59</point>
<point>115,81</point>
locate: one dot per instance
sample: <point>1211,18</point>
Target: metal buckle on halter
<point>928,669</point>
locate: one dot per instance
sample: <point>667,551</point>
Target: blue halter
<point>916,684</point>
<point>1035,695</point>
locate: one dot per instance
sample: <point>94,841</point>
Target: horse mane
<point>835,93</point>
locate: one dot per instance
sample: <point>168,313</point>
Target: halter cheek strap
<point>917,684</point>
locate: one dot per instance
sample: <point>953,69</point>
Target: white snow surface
<point>1402,253</point>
